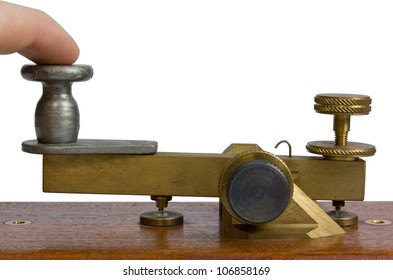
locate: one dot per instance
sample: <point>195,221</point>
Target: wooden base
<point>112,231</point>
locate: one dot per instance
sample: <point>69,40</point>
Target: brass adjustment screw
<point>161,218</point>
<point>342,106</point>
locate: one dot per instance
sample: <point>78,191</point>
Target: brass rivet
<point>18,222</point>
<point>378,222</point>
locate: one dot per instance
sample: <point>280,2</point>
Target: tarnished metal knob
<point>57,112</point>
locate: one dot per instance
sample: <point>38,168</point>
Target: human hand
<point>35,35</point>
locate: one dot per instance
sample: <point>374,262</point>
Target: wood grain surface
<point>111,230</point>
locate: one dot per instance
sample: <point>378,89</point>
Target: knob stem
<point>161,201</point>
<point>57,114</point>
<point>341,127</point>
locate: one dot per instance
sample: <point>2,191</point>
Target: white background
<point>197,76</point>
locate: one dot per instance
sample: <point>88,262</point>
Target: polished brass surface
<point>323,179</point>
<point>238,148</point>
<point>342,106</point>
<point>162,174</point>
<point>180,174</point>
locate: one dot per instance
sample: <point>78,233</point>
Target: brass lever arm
<point>190,174</point>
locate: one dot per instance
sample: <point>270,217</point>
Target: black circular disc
<point>258,191</point>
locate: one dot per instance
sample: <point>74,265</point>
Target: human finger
<point>35,35</point>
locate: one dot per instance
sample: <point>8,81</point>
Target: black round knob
<point>256,187</point>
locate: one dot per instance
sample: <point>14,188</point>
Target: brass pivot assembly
<point>342,106</point>
<point>255,187</point>
<point>161,218</point>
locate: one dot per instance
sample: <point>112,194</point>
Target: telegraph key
<point>262,195</point>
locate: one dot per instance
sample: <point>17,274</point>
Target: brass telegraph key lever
<point>342,106</point>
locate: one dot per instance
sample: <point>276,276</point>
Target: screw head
<point>337,104</point>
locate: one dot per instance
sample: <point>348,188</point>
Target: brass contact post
<point>342,106</point>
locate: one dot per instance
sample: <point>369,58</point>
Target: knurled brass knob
<point>342,106</point>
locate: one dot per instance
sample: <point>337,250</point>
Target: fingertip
<point>59,58</point>
<point>49,42</point>
<point>76,54</point>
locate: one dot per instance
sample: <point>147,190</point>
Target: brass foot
<point>161,218</point>
<point>343,218</point>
